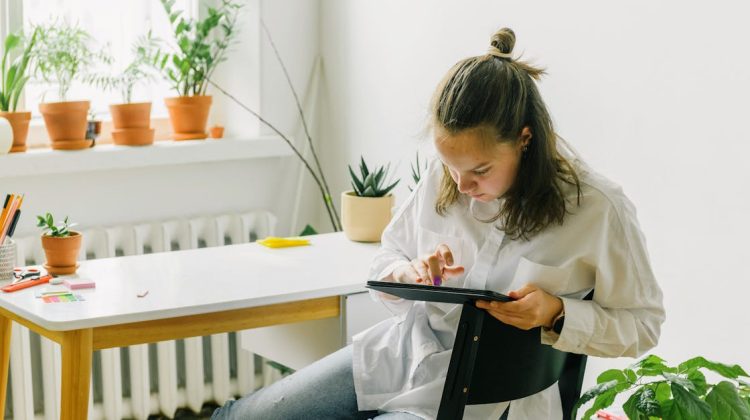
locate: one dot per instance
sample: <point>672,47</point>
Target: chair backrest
<point>512,364</point>
<point>494,362</point>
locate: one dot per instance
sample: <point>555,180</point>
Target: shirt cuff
<point>577,329</point>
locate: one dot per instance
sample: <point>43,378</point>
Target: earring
<point>525,148</point>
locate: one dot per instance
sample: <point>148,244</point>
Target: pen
<point>13,223</point>
<point>6,207</point>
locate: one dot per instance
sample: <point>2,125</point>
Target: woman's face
<point>482,168</point>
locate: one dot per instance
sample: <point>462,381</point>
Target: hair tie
<point>494,51</point>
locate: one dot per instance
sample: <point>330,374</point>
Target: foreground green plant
<point>371,184</point>
<point>47,223</point>
<point>681,392</point>
<point>14,72</point>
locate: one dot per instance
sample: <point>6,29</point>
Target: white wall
<point>653,95</point>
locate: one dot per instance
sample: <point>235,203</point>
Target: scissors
<point>25,274</point>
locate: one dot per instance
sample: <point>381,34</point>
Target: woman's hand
<point>429,269</point>
<point>532,308</point>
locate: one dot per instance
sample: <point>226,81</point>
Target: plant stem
<point>304,123</point>
<point>327,202</point>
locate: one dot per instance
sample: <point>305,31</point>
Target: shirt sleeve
<point>398,247</point>
<point>626,313</point>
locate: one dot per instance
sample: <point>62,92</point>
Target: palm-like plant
<point>140,70</point>
<point>63,54</point>
<point>13,73</point>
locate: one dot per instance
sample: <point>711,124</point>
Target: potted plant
<point>61,245</point>
<point>13,78</point>
<point>681,392</point>
<point>366,210</point>
<point>132,121</point>
<point>62,54</point>
<point>200,47</point>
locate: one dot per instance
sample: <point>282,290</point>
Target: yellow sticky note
<point>276,242</point>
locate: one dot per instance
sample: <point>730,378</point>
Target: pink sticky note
<point>79,283</point>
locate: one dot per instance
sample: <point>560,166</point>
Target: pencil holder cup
<point>7,260</point>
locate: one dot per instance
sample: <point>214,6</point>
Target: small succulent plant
<point>47,223</point>
<point>371,184</point>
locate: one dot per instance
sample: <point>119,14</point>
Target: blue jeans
<point>323,390</point>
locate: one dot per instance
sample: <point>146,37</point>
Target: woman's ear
<point>525,138</point>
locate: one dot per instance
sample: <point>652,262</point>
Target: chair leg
<point>461,368</point>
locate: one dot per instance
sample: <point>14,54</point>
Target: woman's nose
<point>465,185</point>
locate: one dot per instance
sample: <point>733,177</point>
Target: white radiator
<point>146,379</point>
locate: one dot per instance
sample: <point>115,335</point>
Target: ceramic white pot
<point>6,136</point>
<point>365,218</point>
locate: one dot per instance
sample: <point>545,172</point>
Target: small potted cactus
<point>366,210</point>
<point>61,245</point>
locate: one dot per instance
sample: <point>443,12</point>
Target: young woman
<point>506,207</point>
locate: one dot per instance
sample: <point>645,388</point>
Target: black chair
<point>494,362</point>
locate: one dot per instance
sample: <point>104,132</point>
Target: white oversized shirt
<point>400,364</point>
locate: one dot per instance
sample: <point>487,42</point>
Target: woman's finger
<point>445,254</point>
<point>421,269</point>
<point>435,270</point>
<point>453,271</point>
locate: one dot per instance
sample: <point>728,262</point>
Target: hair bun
<point>504,40</point>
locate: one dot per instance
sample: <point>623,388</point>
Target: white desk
<point>190,293</point>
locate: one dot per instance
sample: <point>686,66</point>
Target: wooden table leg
<point>5,325</point>
<point>77,352</point>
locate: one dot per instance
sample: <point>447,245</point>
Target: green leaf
<point>727,371</point>
<point>630,374</point>
<point>663,391</point>
<point>388,189</point>
<point>726,403</point>
<point>651,365</point>
<point>642,405</point>
<point>603,400</point>
<point>592,393</point>
<point>684,382</point>
<point>308,230</point>
<point>699,382</point>
<point>611,375</point>
<point>631,409</point>
<point>363,167</point>
<point>12,41</point>
<point>687,406</point>
<point>647,403</point>
<point>358,187</point>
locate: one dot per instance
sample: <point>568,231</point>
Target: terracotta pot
<point>62,253</point>
<point>216,131</point>
<point>66,124</point>
<point>137,115</point>
<point>133,136</point>
<point>365,218</point>
<point>19,122</point>
<point>189,115</point>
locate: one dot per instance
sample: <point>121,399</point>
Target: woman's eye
<point>481,172</point>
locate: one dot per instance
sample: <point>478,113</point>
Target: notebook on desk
<point>443,294</point>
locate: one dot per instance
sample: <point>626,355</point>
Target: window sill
<point>108,157</point>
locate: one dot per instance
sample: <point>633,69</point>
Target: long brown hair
<point>497,91</point>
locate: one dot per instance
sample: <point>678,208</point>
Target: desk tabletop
<point>199,281</point>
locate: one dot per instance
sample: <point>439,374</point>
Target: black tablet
<point>436,293</point>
